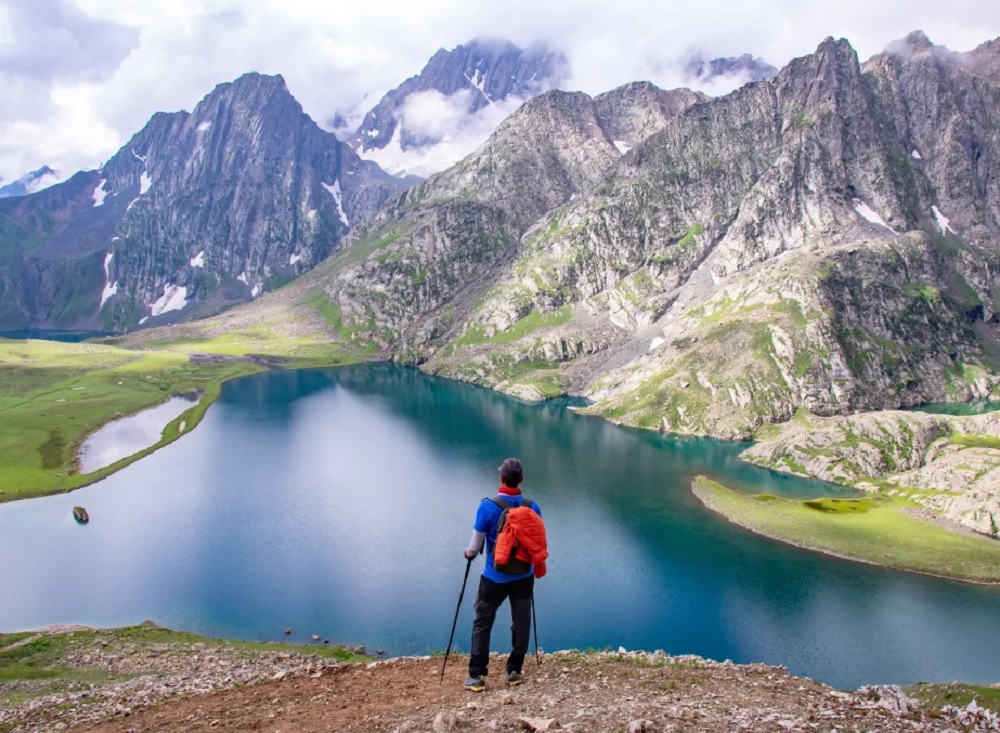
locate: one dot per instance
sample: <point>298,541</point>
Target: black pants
<point>488,600</point>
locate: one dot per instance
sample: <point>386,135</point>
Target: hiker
<point>523,560</point>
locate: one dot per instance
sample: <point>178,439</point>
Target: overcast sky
<point>79,77</point>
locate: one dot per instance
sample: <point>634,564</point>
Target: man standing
<point>496,586</point>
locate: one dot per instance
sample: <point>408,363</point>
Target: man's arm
<point>475,544</point>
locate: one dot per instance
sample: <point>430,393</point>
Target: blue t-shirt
<point>487,517</point>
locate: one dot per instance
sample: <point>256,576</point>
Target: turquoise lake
<point>338,502</point>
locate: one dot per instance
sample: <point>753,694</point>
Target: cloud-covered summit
<point>440,115</point>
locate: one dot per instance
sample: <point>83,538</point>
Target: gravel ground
<point>192,688</point>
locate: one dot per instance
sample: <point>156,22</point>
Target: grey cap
<point>512,469</point>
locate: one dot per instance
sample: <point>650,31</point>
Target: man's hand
<point>469,554</point>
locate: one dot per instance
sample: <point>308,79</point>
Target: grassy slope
<point>874,531</point>
<point>44,656</point>
<point>52,395</point>
<point>933,696</point>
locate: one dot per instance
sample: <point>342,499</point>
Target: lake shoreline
<point>702,488</point>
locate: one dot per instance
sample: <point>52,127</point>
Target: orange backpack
<point>521,540</point>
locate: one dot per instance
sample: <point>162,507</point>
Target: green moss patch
<point>840,506</point>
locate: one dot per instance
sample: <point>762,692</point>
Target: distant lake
<point>53,335</point>
<point>338,502</point>
<point>975,407</point>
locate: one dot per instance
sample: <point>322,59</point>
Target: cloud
<point>446,118</point>
<point>81,76</point>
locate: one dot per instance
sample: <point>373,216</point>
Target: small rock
<point>315,637</point>
<point>287,631</point>
<point>359,650</point>
<point>538,724</point>
<point>641,726</point>
<point>446,721</point>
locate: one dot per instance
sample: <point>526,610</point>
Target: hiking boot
<point>514,679</point>
<point>475,684</point>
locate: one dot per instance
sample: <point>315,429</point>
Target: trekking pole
<point>534,621</point>
<point>447,650</point>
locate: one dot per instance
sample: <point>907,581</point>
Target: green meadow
<point>873,529</point>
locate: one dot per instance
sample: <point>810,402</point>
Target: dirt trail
<point>574,692</point>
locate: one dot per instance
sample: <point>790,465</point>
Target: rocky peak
<point>633,112</point>
<point>746,67</point>
<point>985,60</point>
<point>198,211</point>
<point>917,42</point>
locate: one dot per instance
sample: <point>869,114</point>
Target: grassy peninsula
<point>874,530</point>
<point>52,395</point>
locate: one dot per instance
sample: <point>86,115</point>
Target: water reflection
<point>125,437</point>
<point>337,503</point>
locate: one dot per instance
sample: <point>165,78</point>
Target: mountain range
<point>823,239</point>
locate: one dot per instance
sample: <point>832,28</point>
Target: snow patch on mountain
<point>870,215</point>
<point>100,193</point>
<point>173,299</point>
<point>110,288</point>
<point>144,183</point>
<point>198,260</point>
<point>942,221</point>
<point>335,192</point>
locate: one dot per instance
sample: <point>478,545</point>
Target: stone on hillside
<point>888,697</point>
<point>446,721</point>
<point>538,724</point>
<point>641,726</point>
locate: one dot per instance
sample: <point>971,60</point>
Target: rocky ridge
<point>412,273</point>
<point>785,246</point>
<point>948,464</point>
<point>196,212</point>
